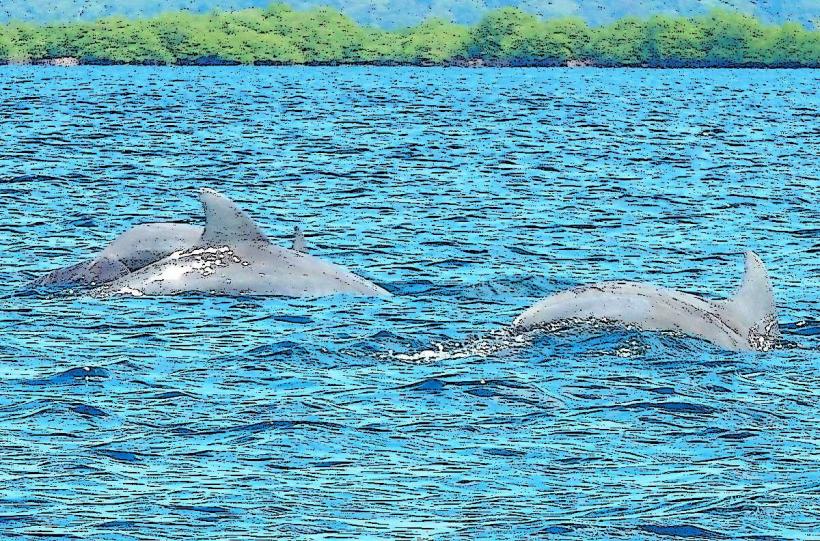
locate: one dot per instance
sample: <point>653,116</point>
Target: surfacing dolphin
<point>745,322</point>
<point>233,257</point>
<point>139,246</point>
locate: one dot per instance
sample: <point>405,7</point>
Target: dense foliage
<point>402,13</point>
<point>508,36</point>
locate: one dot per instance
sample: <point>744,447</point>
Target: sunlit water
<point>469,194</point>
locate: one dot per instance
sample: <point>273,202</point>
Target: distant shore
<point>507,37</point>
<point>70,62</point>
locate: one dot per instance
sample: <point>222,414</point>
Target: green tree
<point>435,40</point>
<point>5,46</point>
<point>554,42</point>
<point>120,41</point>
<point>503,35</point>
<point>326,36</point>
<point>623,43</point>
<point>280,34</point>
<point>188,38</point>
<point>27,42</point>
<point>272,48</point>
<point>729,39</point>
<point>674,41</point>
<point>792,45</point>
<point>571,34</point>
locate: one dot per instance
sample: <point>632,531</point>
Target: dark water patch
<point>84,222</point>
<point>331,464</point>
<point>475,387</point>
<point>119,525</point>
<point>717,389</point>
<point>204,513</point>
<point>83,374</point>
<point>120,456</point>
<point>20,179</point>
<point>262,426</point>
<point>801,328</point>
<point>56,435</point>
<point>210,509</point>
<point>246,305</point>
<point>428,385</point>
<point>88,411</point>
<point>686,531</point>
<point>741,435</point>
<point>554,530</point>
<point>10,519</point>
<point>584,396</point>
<point>494,451</point>
<point>670,407</point>
<point>285,349</point>
<point>482,392</point>
<point>300,320</point>
<point>41,534</point>
<point>48,291</point>
<point>410,287</point>
<point>170,395</point>
<point>151,384</point>
<point>523,251</point>
<point>385,341</point>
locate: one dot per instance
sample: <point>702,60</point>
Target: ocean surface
<point>470,194</point>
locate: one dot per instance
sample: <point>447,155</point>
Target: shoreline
<point>502,38</point>
<point>71,62</point>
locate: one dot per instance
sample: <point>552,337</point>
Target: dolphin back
<point>234,257</point>
<point>746,321</point>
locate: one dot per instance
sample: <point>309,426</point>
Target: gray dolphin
<point>745,322</point>
<point>233,257</point>
<point>139,246</point>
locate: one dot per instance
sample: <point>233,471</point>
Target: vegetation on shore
<point>507,36</point>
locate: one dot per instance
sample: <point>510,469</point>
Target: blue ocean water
<point>468,193</point>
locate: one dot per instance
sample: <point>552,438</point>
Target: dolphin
<point>747,321</point>
<point>139,246</point>
<point>233,257</point>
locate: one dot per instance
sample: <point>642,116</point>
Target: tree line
<point>504,37</point>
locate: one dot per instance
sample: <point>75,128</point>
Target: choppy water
<point>470,194</point>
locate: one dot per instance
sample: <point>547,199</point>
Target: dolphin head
<point>95,271</point>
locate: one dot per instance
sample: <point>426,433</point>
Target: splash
<point>597,337</point>
<point>492,343</point>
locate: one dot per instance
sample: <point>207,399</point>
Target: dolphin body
<point>745,322</point>
<point>139,246</point>
<point>232,256</point>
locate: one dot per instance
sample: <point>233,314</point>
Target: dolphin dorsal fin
<point>299,240</point>
<point>226,223</point>
<point>752,305</point>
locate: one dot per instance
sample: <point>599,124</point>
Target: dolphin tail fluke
<point>753,305</point>
<point>225,222</point>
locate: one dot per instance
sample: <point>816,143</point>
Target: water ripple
<point>467,193</point>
